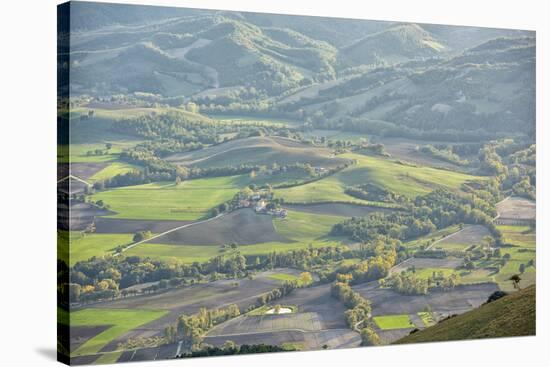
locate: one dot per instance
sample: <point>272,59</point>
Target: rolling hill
<point>396,44</point>
<point>257,151</point>
<point>512,315</point>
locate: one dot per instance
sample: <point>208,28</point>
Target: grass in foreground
<point>122,321</point>
<point>513,315</point>
<point>392,322</point>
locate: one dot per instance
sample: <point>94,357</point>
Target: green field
<point>122,321</point>
<point>77,153</point>
<point>83,247</point>
<point>113,169</point>
<point>519,235</point>
<point>401,178</point>
<point>190,200</point>
<point>392,322</point>
<point>304,229</point>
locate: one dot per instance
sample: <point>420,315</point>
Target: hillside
<point>257,151</point>
<point>396,44</point>
<point>513,315</point>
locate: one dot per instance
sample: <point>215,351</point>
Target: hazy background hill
<point>331,73</point>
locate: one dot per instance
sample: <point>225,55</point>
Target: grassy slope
<point>401,178</point>
<point>122,321</point>
<point>191,200</point>
<point>257,151</point>
<point>113,169</point>
<point>513,315</point>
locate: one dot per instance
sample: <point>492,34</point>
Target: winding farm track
<point>74,178</point>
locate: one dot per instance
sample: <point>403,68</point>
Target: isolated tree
<point>108,146</point>
<point>516,279</point>
<point>306,279</point>
<point>522,268</point>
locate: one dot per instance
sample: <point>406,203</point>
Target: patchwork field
<point>318,320</point>
<point>119,322</point>
<point>522,252</point>
<point>390,322</point>
<point>461,299</point>
<point>188,300</point>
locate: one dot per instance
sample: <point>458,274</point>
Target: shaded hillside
<point>489,88</point>
<point>512,315</point>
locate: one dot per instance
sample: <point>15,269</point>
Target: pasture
<point>190,200</point>
<point>84,247</point>
<point>390,322</point>
<point>113,169</point>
